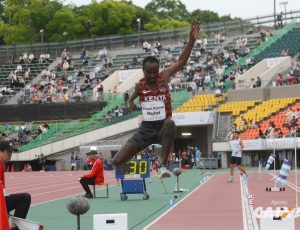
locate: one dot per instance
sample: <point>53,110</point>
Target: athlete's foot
<point>230,179</point>
<point>164,173</point>
<point>88,195</point>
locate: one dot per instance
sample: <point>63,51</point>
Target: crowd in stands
<point>204,73</point>
<point>19,77</point>
<point>22,134</point>
<point>63,84</point>
<point>271,132</point>
<point>115,113</point>
<point>291,77</point>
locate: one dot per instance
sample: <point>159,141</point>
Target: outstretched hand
<point>195,28</point>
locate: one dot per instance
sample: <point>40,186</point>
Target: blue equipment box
<point>133,186</point>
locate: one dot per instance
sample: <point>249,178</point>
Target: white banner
<point>255,144</point>
<point>281,143</point>
<point>261,144</point>
<point>126,74</point>
<point>271,62</point>
<point>194,118</point>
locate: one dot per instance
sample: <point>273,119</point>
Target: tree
<point>156,24</point>
<point>205,16</point>
<point>171,9</point>
<point>109,17</point>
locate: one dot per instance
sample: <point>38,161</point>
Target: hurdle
<point>275,188</point>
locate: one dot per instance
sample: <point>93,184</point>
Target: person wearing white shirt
<point>236,156</point>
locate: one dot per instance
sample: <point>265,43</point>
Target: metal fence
<point>116,41</point>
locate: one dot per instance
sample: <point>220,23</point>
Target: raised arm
<point>194,33</point>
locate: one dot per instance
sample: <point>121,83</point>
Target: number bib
<point>153,110</point>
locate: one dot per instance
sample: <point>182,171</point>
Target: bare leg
<point>125,154</point>
<point>167,133</point>
<point>242,169</point>
<point>232,169</point>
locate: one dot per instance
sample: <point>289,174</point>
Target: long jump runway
<point>212,205</point>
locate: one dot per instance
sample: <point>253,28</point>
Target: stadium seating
<point>279,121</point>
<point>35,69</point>
<point>201,103</point>
<point>236,108</point>
<point>264,110</point>
<point>290,41</point>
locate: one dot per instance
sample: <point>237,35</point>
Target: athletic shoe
<point>89,196</point>
<point>230,179</point>
<point>164,173</point>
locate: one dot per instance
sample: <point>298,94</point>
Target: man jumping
<point>155,99</point>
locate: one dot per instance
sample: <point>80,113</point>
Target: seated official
<point>96,176</point>
<point>20,202</point>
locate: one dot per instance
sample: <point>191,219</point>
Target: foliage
<point>169,9</point>
<point>29,21</point>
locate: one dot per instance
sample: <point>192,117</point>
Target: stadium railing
<point>115,41</point>
<point>60,131</point>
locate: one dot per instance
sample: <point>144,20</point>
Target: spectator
<point>293,122</point>
<point>146,46</point>
<point>297,113</point>
<point>20,202</point>
<point>271,131</point>
<point>218,92</point>
<point>197,157</point>
<point>96,176</point>
<point>258,82</point>
<point>126,98</point>
<point>243,123</point>
<point>73,162</point>
<point>279,20</point>
<point>292,131</point>
<point>289,114</point>
<point>261,135</point>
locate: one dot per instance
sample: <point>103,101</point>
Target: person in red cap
<point>20,202</point>
<point>96,175</point>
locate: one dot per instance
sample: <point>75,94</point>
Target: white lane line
<point>179,202</point>
<point>60,190</point>
<point>53,183</point>
<point>48,201</point>
<point>245,222</point>
<point>254,221</point>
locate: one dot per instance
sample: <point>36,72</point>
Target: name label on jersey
<point>153,110</point>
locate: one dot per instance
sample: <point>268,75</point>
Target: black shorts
<point>148,133</point>
<point>235,160</point>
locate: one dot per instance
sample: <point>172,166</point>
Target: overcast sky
<point>236,8</point>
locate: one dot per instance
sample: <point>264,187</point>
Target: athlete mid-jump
<point>157,126</point>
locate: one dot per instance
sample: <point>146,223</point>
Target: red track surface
<point>214,206</point>
<point>47,186</point>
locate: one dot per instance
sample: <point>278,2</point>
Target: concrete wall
<point>266,70</point>
<point>130,83</point>
<point>114,80</point>
<point>247,94</point>
<point>284,92</point>
<point>264,93</point>
<point>73,142</point>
